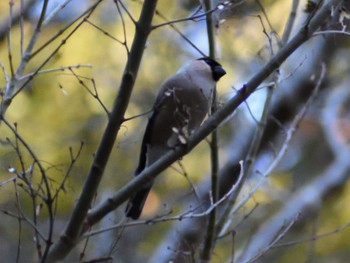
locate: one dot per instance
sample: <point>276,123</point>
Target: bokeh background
<point>55,112</point>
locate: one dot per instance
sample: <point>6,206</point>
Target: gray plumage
<point>182,103</point>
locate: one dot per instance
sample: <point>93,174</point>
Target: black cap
<point>216,68</point>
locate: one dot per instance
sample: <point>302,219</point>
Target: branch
<point>331,118</point>
<point>15,18</point>
<point>209,243</point>
<point>255,142</point>
<point>290,135</point>
<point>290,22</point>
<point>178,31</point>
<point>190,18</point>
<point>47,196</point>
<point>311,194</point>
<point>14,86</point>
<point>73,229</point>
<point>186,215</point>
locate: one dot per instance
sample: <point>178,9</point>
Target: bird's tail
<point>135,205</point>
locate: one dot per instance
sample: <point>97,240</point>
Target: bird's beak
<point>218,72</point>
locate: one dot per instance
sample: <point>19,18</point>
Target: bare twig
<point>105,32</point>
<point>13,178</point>
<point>308,196</point>
<point>227,215</point>
<point>85,15</point>
<point>9,45</point>
<point>47,198</point>
<point>73,160</point>
<point>336,173</point>
<point>51,70</point>
<point>314,237</point>
<point>265,15</point>
<point>330,32</point>
<point>209,241</point>
<point>187,215</point>
<point>279,235</point>
<point>123,26</point>
<point>178,31</point>
<point>25,219</point>
<point>190,18</point>
<point>126,10</point>
<point>48,58</point>
<point>17,15</point>
<point>19,219</point>
<point>290,134</point>
<point>189,180</point>
<point>14,86</point>
<point>290,23</point>
<point>93,93</point>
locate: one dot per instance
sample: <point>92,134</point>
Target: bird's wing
<point>144,145</point>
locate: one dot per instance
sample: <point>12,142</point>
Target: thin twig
<point>19,219</point>
<point>209,241</point>
<point>329,32</point>
<point>21,26</point>
<point>105,32</point>
<point>48,198</point>
<point>85,14</point>
<point>126,11</point>
<point>93,93</point>
<point>313,238</point>
<point>63,68</point>
<point>25,219</point>
<point>9,45</point>
<point>14,87</point>
<point>187,215</point>
<point>290,22</point>
<point>73,160</point>
<point>189,180</point>
<point>54,52</point>
<point>227,215</point>
<point>123,26</point>
<point>17,16</point>
<point>290,134</point>
<point>190,18</point>
<point>281,233</point>
<point>265,15</point>
<point>178,31</point>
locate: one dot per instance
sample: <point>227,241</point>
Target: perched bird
<point>182,103</point>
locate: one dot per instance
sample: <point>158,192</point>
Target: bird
<point>181,105</point>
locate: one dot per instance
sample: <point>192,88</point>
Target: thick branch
<point>73,229</point>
